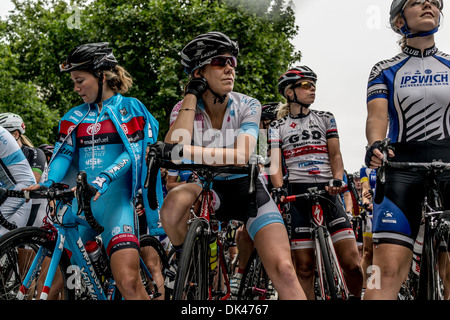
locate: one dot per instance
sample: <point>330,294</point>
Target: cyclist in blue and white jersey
<point>409,94</point>
<point>36,158</point>
<point>309,142</point>
<point>15,174</point>
<point>107,136</point>
<point>215,125</point>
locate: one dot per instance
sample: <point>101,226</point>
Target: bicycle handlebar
<point>57,191</point>
<point>311,194</point>
<point>154,164</point>
<point>434,166</point>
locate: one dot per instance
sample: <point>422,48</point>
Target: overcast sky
<point>341,41</point>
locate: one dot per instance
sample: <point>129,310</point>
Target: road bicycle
<point>200,275</point>
<point>52,262</point>
<point>435,220</point>
<point>331,281</point>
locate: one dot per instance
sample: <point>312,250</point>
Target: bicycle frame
<point>68,238</point>
<point>206,209</point>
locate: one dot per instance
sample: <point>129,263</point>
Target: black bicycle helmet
<point>269,111</point>
<point>205,46</point>
<point>90,57</point>
<point>47,148</point>
<point>293,75</point>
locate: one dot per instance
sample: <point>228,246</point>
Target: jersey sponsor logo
<point>428,79</point>
<point>93,129</point>
<point>304,150</point>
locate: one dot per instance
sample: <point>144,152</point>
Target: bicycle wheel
<point>154,257</point>
<point>428,283</point>
<point>255,282</point>
<point>330,274</point>
<point>18,249</point>
<point>191,282</point>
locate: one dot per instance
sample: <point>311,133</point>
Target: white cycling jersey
<point>303,141</point>
<point>15,174</point>
<point>242,116</point>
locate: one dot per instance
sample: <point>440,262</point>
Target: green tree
<point>147,37</point>
<point>22,98</point>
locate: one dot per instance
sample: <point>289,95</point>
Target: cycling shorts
<point>396,220</point>
<point>335,217</point>
<point>234,203</point>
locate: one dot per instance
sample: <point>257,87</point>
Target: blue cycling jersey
<point>110,145</point>
<point>416,87</point>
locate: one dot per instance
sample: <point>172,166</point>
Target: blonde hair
<point>118,79</point>
<point>25,141</point>
<point>284,108</point>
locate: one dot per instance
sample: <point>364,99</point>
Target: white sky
<point>341,41</point>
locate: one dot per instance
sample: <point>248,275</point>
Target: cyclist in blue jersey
<point>222,126</point>
<point>107,137</point>
<point>409,94</point>
<point>15,174</point>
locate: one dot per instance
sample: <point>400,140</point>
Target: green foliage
<point>147,37</point>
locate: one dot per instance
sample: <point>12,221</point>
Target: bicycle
<point>35,263</point>
<point>197,278</point>
<point>436,221</point>
<point>331,280</point>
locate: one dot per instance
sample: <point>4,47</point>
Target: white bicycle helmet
<point>12,122</point>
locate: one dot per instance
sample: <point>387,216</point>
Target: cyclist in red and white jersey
<point>308,140</point>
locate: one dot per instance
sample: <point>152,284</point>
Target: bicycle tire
<point>254,282</point>
<point>191,281</point>
<point>324,258</point>
<point>22,244</point>
<point>154,285</point>
<point>428,286</point>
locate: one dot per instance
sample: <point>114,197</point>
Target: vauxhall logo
<point>427,79</point>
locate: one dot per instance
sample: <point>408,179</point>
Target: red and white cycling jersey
<point>303,141</point>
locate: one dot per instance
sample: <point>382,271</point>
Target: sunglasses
<point>222,61</point>
<point>304,85</point>
<point>435,3</point>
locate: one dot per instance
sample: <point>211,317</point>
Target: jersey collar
<point>417,52</point>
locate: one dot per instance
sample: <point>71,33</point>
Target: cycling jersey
<point>416,88</point>
<point>303,141</point>
<point>369,175</point>
<point>242,116</point>
<point>110,146</point>
<point>15,174</point>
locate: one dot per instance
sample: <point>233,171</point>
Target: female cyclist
<point>309,143</point>
<point>15,174</point>
<point>36,158</point>
<point>106,136</point>
<point>409,94</point>
<point>223,126</point>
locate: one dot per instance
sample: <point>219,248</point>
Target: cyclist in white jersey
<point>223,128</point>
<point>15,174</point>
<point>409,94</point>
<point>309,142</point>
<point>37,160</point>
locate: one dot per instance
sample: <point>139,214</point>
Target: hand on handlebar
<point>335,186</point>
<point>374,157</point>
